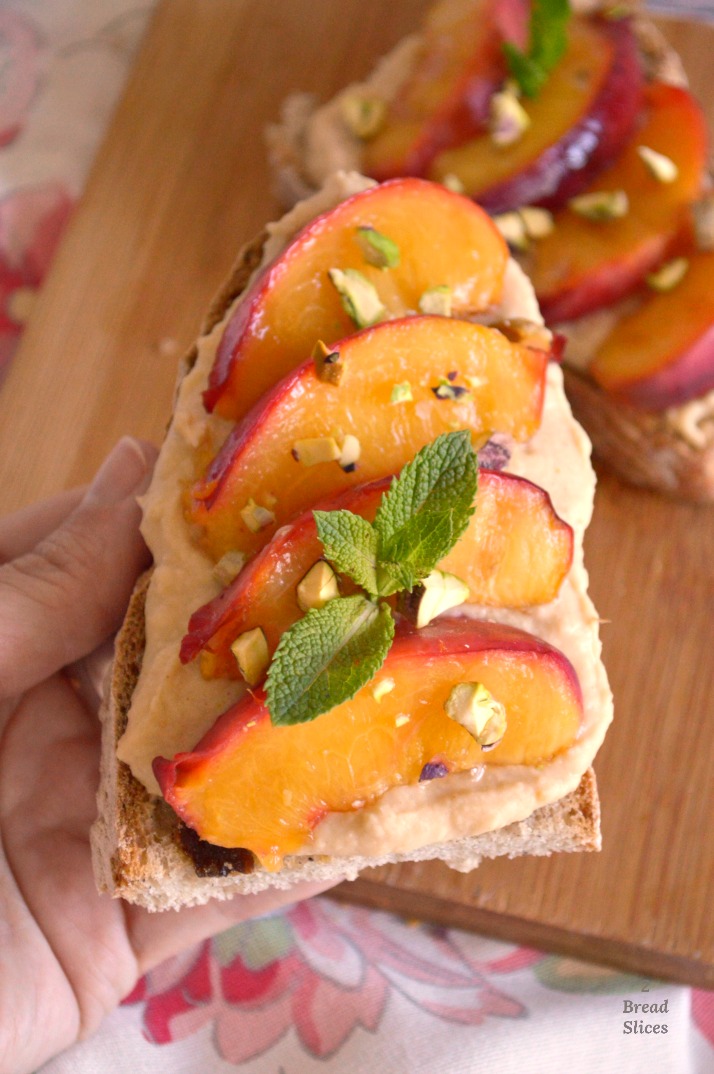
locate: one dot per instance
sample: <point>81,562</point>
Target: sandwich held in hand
<point>575,129</point>
<point>366,636</point>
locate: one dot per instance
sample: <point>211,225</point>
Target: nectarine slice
<point>253,785</point>
<point>446,98</point>
<point>580,121</point>
<point>662,354</point>
<point>515,552</point>
<point>461,375</point>
<point>584,264</point>
<point>441,238</point>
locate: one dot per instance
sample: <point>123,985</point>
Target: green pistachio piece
<point>256,517</point>
<point>512,227</point>
<point>437,301</point>
<point>437,593</point>
<point>668,275</point>
<point>401,393</point>
<point>476,709</point>
<point>359,297</point>
<point>601,205</point>
<point>660,167</point>
<point>316,449</point>
<point>378,249</point>
<point>252,656</point>
<point>317,587</point>
<point>508,120</point>
<point>229,567</point>
<point>538,222</point>
<point>364,115</point>
<point>453,183</point>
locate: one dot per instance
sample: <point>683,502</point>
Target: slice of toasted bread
<point>137,842</point>
<point>672,451</point>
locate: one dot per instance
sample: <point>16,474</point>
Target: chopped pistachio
<point>668,275</point>
<point>316,449</point>
<point>703,217</point>
<point>509,120</point>
<point>363,114</point>
<point>617,12</point>
<point>445,390</point>
<point>660,167</point>
<point>251,652</point>
<point>436,301</point>
<point>328,364</point>
<point>401,720</point>
<point>229,566</point>
<point>453,183</point>
<point>318,586</point>
<point>382,688</point>
<point>436,594</point>
<point>351,451</point>
<point>538,222</point>
<point>401,393</point>
<point>513,228</point>
<point>359,296</point>
<point>601,205</point>
<point>476,709</point>
<point>256,517</point>
<point>378,249</point>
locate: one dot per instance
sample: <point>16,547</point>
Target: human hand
<point>68,955</point>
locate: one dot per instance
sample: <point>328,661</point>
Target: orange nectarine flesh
<point>662,354</point>
<point>596,87</point>
<point>500,387</point>
<point>515,553</point>
<point>442,239</point>
<point>250,784</point>
<point>446,97</point>
<point>584,265</point>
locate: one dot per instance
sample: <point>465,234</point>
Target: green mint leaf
<point>326,657</point>
<point>548,41</point>
<point>350,544</point>
<point>425,511</point>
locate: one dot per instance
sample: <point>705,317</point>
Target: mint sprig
<point>350,544</point>
<point>426,510</point>
<point>326,657</point>
<point>547,43</point>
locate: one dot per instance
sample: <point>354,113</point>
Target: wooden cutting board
<point>179,184</point>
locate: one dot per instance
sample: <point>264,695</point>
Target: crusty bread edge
<point>643,448</point>
<point>137,857</point>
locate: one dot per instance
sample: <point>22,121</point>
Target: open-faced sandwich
<point>576,131</point>
<point>366,636</point>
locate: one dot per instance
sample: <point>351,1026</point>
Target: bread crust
<point>645,449</point>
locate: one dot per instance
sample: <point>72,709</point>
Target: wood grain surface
<point>180,183</point>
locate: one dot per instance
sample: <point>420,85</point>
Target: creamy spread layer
<point>173,706</point>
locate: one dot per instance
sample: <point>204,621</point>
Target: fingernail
<point>125,471</point>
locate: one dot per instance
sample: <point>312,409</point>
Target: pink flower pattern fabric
<point>320,987</point>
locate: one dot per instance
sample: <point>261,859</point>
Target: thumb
<point>61,600</point>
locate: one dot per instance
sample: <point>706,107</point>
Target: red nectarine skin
<point>662,355</point>
<point>250,784</point>
<point>580,122</point>
<point>515,553</point>
<point>500,385</point>
<point>584,265</point>
<point>442,238</point>
<point>447,98</point>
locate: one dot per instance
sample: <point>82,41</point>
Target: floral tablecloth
<point>319,987</point>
